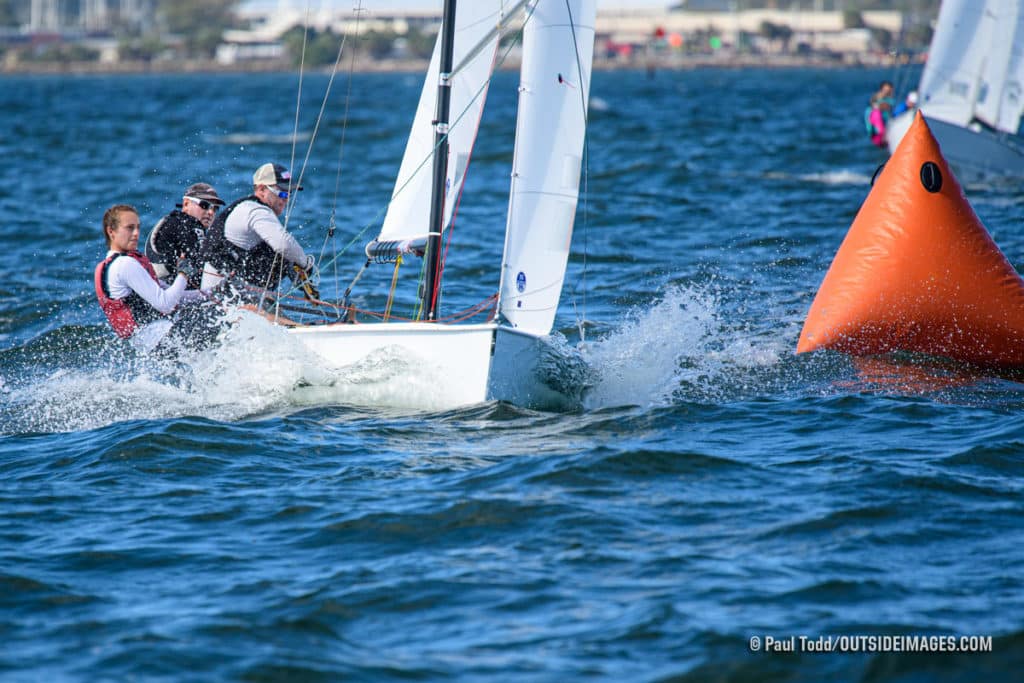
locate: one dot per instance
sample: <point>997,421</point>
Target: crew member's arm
<point>270,230</point>
<point>163,300</point>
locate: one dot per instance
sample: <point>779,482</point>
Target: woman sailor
<point>135,302</point>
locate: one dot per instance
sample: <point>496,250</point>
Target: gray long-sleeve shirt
<point>249,224</point>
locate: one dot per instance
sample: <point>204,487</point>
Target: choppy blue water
<point>234,520</point>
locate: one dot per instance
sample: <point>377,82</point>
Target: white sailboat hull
<point>971,152</point>
<point>467,364</point>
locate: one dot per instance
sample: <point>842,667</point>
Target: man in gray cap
<point>180,233</point>
<point>247,239</point>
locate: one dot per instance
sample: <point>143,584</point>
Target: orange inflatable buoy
<point>918,271</point>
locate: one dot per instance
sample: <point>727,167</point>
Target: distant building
<point>627,25</point>
<point>93,16</point>
<point>626,29</point>
<point>260,41</point>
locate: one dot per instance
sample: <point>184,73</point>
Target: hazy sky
<point>433,4</point>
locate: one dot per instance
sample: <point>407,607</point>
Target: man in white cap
<point>180,233</point>
<point>247,240</point>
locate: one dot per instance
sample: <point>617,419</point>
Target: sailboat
<point>972,87</point>
<point>508,356</point>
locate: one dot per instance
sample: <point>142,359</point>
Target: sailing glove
<point>310,266</point>
<point>186,268</point>
<point>305,277</point>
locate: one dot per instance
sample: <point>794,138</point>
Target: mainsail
<point>476,44</point>
<point>558,44</point>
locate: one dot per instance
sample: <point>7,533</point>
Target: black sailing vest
<point>174,234</point>
<point>259,266</point>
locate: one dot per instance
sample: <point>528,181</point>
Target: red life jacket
<point>126,314</point>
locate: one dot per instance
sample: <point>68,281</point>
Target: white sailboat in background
<point>972,88</point>
<point>503,358</point>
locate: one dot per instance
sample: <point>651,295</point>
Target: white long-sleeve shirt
<point>126,275</point>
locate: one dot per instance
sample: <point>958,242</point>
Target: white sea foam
<point>838,177</point>
<point>262,138</point>
<point>261,367</point>
<point>679,344</point>
<point>257,369</point>
<point>677,348</point>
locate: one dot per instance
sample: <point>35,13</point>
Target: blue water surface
<point>236,518</point>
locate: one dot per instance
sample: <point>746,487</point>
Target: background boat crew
<point>908,103</point>
<point>247,239</point>
<point>875,122</point>
<point>180,233</point>
<point>879,112</point>
<point>136,303</point>
<point>886,99</point>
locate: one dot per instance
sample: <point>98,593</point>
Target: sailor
<point>135,302</point>
<point>878,113</point>
<point>247,239</point>
<point>908,104</point>
<point>180,233</point>
<point>875,122</point>
<point>886,101</point>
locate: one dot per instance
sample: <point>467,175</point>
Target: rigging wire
<point>332,221</point>
<point>316,129</point>
<point>278,262</point>
<point>581,320</point>
<point>298,106</point>
<point>309,149</point>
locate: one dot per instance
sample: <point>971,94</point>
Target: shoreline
<point>658,63</point>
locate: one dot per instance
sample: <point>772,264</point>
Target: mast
<point>432,284</point>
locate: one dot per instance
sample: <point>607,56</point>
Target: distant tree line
<point>200,23</point>
<point>321,47</point>
<point>192,27</point>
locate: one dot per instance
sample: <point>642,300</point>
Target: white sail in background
<point>409,211</point>
<point>951,79</point>
<point>975,68</point>
<point>558,45</point>
<point>1001,100</point>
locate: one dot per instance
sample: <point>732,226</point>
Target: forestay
<point>558,43</point>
